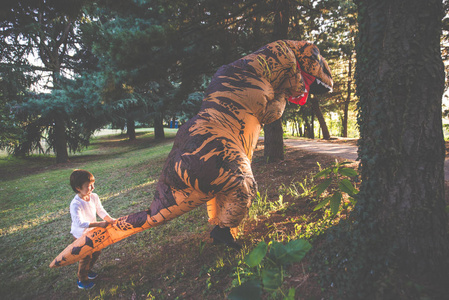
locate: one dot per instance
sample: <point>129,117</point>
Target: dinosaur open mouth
<point>319,87</point>
<point>308,81</point>
<point>313,85</point>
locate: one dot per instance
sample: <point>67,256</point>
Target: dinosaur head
<point>313,69</point>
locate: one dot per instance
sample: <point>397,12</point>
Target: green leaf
<point>322,186</point>
<point>348,172</point>
<point>271,279</point>
<point>291,294</point>
<point>293,251</point>
<point>255,257</point>
<point>353,201</point>
<point>335,170</point>
<point>247,291</point>
<point>346,187</point>
<point>335,202</point>
<point>277,251</point>
<point>322,173</point>
<point>322,203</point>
<point>296,250</point>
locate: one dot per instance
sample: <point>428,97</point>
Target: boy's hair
<point>79,177</point>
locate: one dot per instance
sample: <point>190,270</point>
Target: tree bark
<point>59,127</point>
<point>312,127</point>
<point>319,115</point>
<point>158,127</point>
<point>400,227</point>
<point>60,147</point>
<point>272,150</point>
<point>130,128</point>
<point>273,132</point>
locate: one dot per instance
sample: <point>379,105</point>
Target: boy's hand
<point>110,220</point>
<point>104,224</point>
<point>99,224</point>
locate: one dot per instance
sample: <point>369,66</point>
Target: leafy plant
<point>336,183</point>
<point>266,264</point>
<point>261,206</point>
<point>298,189</point>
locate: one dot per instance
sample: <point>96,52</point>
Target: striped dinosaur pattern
<point>210,161</point>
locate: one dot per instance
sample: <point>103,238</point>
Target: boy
<point>83,209</point>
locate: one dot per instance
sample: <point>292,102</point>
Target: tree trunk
<point>272,149</point>
<point>312,127</point>
<point>158,127</point>
<point>399,231</point>
<point>273,132</point>
<point>60,147</point>
<point>281,18</point>
<point>130,128</point>
<point>306,128</point>
<point>347,101</point>
<point>319,115</point>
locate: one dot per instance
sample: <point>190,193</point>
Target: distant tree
<point>340,38</point>
<point>395,244</point>
<point>44,30</point>
<point>317,112</point>
<point>133,42</point>
<point>14,82</point>
<point>274,132</point>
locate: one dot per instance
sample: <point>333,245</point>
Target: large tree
<point>273,132</point>
<point>395,244</point>
<point>45,31</point>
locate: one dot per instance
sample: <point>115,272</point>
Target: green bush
<point>264,270</point>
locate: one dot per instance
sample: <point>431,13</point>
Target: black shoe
<point>224,236</point>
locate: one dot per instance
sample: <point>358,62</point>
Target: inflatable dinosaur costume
<point>211,157</point>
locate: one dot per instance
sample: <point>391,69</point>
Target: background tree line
<point>103,62</point>
<point>68,69</point>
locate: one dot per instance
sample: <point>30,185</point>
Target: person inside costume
<point>84,209</point>
<point>210,161</point>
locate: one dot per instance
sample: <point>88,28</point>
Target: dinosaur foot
<point>224,236</point>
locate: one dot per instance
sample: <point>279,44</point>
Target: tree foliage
<point>147,58</point>
<point>43,30</point>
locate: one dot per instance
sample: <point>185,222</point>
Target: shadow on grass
<point>105,147</point>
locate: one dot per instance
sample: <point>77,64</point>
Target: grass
<point>35,197</point>
<point>175,261</point>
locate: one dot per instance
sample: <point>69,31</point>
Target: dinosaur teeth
<point>319,82</point>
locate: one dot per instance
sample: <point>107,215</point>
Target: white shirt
<point>84,212</point>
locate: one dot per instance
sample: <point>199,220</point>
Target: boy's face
<point>86,189</point>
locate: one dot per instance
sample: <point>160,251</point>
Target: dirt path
<point>346,150</point>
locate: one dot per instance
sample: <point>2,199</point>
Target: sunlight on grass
<point>34,207</point>
<point>35,225</point>
<point>34,222</point>
<point>105,198</point>
<point>50,216</point>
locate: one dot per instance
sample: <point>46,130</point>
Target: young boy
<point>83,210</point>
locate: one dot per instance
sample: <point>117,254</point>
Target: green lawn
<point>34,209</point>
<point>174,261</point>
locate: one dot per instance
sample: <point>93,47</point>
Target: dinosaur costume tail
<point>99,238</point>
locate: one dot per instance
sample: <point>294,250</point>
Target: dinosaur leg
<point>227,210</point>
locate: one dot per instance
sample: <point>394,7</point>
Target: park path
<point>335,149</point>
